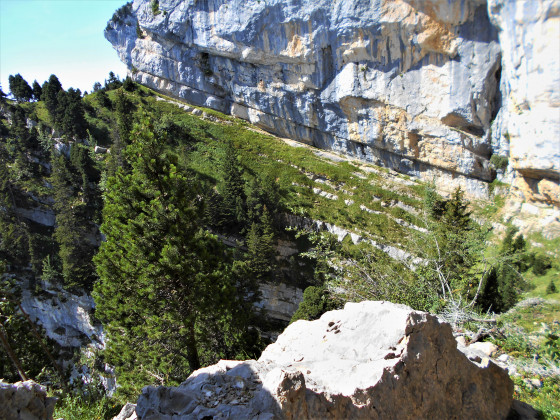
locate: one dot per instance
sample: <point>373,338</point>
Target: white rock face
<point>65,317</point>
<point>529,119</point>
<point>530,116</point>
<point>279,300</point>
<point>372,360</point>
<point>412,85</point>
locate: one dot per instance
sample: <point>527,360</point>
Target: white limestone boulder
<point>372,360</point>
<point>25,401</point>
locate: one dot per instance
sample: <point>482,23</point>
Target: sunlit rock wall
<point>409,84</point>
<point>530,116</point>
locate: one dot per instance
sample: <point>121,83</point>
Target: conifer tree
<point>260,248</point>
<point>124,111</point>
<point>504,282</point>
<point>233,189</point>
<point>262,193</point>
<point>13,231</point>
<point>37,91</point>
<point>70,113</point>
<point>2,96</point>
<point>20,88</point>
<point>165,292</point>
<point>72,225</point>
<point>113,82</point>
<point>50,95</point>
<point>103,99</point>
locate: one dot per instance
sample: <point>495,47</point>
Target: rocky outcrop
<point>424,87</point>
<point>279,300</point>
<point>66,317</point>
<point>372,360</point>
<point>529,120</point>
<point>25,401</point>
<point>412,85</point>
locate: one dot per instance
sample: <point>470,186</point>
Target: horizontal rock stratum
<point>431,88</point>
<point>372,360</point>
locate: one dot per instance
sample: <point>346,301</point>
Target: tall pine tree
<point>234,199</point>
<point>72,225</point>
<point>165,294</point>
<point>49,95</point>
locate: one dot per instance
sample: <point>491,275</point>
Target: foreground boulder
<point>372,360</point>
<point>26,401</point>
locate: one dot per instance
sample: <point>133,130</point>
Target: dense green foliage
<point>500,162</point>
<point>37,91</point>
<point>167,294</point>
<point>504,281</point>
<point>80,407</point>
<point>155,7</point>
<point>316,301</point>
<point>76,203</point>
<point>49,96</point>
<point>20,88</point>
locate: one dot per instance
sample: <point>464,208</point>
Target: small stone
<point>536,383</point>
<point>503,358</point>
<point>484,347</point>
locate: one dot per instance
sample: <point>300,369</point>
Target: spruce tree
<point>37,91</point>
<point>233,190</point>
<point>452,248</point>
<point>260,248</point>
<point>71,114</point>
<point>72,226</point>
<point>503,284</point>
<point>20,88</point>
<point>124,113</point>
<point>13,231</point>
<point>50,95</point>
<point>165,293</point>
<point>262,193</point>
<point>2,96</point>
<point>113,82</point>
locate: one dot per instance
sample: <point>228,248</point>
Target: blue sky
<point>62,37</point>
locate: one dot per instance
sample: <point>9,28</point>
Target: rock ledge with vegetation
<point>371,360</point>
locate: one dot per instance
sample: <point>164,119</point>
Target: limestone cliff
<point>429,88</point>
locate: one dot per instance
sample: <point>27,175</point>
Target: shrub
<point>316,301</point>
<point>79,407</point>
<point>499,162</point>
<point>139,32</point>
<point>155,7</point>
<point>541,264</point>
<point>129,85</point>
<point>551,288</point>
